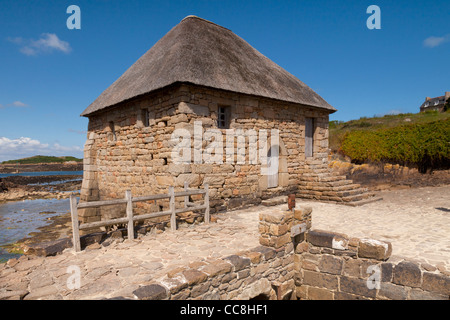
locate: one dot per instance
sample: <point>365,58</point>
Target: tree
<point>447,105</point>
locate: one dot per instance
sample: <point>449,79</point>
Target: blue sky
<point>50,74</point>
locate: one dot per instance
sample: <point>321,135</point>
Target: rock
<point>151,292</point>
<point>374,249</point>
<point>437,283</point>
<point>274,201</point>
<point>88,239</point>
<point>328,239</point>
<point>185,107</point>
<point>49,248</point>
<point>3,187</point>
<point>238,262</point>
<point>194,276</point>
<point>47,212</point>
<point>10,295</point>
<point>408,274</point>
<point>216,268</point>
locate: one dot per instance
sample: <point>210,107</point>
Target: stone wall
<point>262,272</point>
<point>123,152</point>
<point>332,266</point>
<point>295,262</point>
<point>265,272</point>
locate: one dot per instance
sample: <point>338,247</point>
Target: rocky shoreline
<point>38,167</point>
<point>19,188</point>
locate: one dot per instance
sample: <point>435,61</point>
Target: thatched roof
<point>201,52</point>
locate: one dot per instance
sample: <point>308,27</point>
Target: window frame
<point>145,117</point>
<point>225,111</point>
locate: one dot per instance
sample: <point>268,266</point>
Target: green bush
<point>422,145</point>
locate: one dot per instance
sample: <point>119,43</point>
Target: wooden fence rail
<point>130,218</point>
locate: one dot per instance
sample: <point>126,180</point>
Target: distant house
<point>435,104</point>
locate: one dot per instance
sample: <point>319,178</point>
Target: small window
<point>113,136</point>
<point>309,137</point>
<point>145,118</point>
<point>223,117</point>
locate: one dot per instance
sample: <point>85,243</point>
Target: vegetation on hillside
<point>42,159</point>
<point>420,140</point>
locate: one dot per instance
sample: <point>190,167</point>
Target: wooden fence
<point>130,218</point>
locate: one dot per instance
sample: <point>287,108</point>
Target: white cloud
<point>15,104</point>
<point>432,41</point>
<point>47,42</point>
<point>27,147</point>
<point>19,104</point>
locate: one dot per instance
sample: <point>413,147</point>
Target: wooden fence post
<point>75,229</point>
<point>207,203</point>
<point>186,198</point>
<point>173,216</point>
<point>129,214</point>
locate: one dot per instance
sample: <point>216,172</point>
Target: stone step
<point>346,193</point>
<point>324,188</point>
<point>332,178</point>
<point>323,176</point>
<point>347,187</point>
<point>338,183</point>
<point>310,181</point>
<point>274,201</point>
<point>363,202</point>
<point>357,197</point>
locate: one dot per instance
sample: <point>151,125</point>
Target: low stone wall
<point>332,266</point>
<point>295,262</point>
<point>262,272</point>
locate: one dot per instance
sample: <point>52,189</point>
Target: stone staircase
<point>318,182</point>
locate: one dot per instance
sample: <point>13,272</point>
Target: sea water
<point>42,173</point>
<point>19,218</point>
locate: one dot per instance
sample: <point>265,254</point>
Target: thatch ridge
<point>201,52</point>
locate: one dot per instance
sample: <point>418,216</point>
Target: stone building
<point>202,81</point>
<point>435,104</point>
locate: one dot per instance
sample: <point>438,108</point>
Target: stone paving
<point>415,221</point>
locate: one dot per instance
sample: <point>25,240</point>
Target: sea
<point>19,218</point>
<point>42,173</point>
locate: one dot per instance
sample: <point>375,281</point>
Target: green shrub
<point>422,145</point>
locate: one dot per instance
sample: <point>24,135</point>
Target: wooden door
<point>272,166</point>
<point>309,134</point>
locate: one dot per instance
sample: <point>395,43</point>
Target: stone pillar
<point>283,230</point>
<point>89,188</point>
<point>279,228</point>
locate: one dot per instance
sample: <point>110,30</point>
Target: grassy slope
<point>42,159</point>
<point>339,129</point>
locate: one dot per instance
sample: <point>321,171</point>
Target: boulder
<point>49,248</point>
